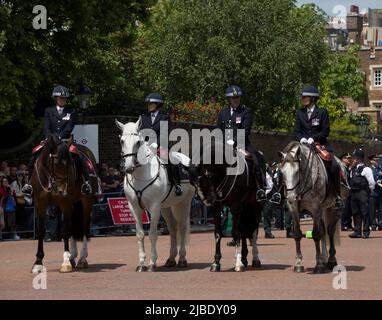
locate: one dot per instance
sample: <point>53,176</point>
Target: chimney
<point>354,9</point>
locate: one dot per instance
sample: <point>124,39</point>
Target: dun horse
<point>55,182</point>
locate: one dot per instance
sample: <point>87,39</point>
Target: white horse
<point>147,186</point>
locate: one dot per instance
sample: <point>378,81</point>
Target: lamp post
<point>83,95</point>
<point>362,124</point>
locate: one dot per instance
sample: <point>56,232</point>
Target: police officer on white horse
<point>152,120</point>
<point>237,116</point>
<point>312,126</point>
<point>59,120</point>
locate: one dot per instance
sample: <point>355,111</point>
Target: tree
<point>197,48</point>
<point>85,39</point>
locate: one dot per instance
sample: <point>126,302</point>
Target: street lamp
<point>362,124</point>
<point>83,96</point>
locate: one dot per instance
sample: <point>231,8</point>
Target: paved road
<point>113,260</point>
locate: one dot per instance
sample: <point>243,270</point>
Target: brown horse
<point>55,182</point>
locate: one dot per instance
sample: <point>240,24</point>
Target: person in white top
<point>362,183</point>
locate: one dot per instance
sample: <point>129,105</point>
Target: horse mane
<point>303,158</point>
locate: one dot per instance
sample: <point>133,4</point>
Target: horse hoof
<point>73,263</point>
<point>170,263</point>
<point>141,269</point>
<point>240,269</point>
<point>151,268</point>
<point>256,264</point>
<point>331,264</point>
<point>215,267</point>
<point>37,268</point>
<point>319,270</point>
<point>65,268</point>
<point>299,269</point>
<point>82,264</point>
<point>182,264</point>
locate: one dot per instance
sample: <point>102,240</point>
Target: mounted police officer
<point>237,116</point>
<point>152,120</point>
<point>60,120</point>
<point>312,126</point>
<point>376,196</point>
<point>362,184</point>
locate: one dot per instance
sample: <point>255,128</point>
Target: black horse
<point>237,191</point>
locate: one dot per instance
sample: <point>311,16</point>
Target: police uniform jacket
<point>241,118</point>
<point>62,124</point>
<point>317,127</point>
<point>149,123</point>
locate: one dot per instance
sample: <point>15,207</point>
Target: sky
<point>337,7</point>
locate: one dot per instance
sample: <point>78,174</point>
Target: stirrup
<point>27,189</point>
<point>260,195</point>
<point>86,188</point>
<point>276,198</point>
<point>178,190</point>
<point>339,203</point>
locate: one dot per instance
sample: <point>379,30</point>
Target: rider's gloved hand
<point>303,141</point>
<point>310,140</point>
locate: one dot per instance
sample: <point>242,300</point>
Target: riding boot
<point>260,180</point>
<point>86,187</point>
<point>27,189</point>
<point>335,173</point>
<point>174,178</point>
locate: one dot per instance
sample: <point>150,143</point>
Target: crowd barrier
<point>102,223</point>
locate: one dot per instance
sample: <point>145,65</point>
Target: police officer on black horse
<point>237,116</point>
<point>152,120</point>
<point>59,120</point>
<point>312,127</point>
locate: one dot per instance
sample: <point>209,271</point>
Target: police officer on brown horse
<point>237,116</point>
<point>59,120</point>
<point>313,127</point>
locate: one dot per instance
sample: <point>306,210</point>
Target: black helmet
<point>310,91</point>
<point>359,154</point>
<point>60,91</point>
<point>154,97</point>
<point>233,91</point>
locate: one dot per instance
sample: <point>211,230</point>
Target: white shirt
<point>154,115</point>
<point>232,110</point>
<point>310,111</point>
<point>368,174</point>
<point>17,189</point>
<point>60,110</point>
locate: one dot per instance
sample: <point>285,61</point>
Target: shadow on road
<point>348,268</point>
<point>101,267</point>
<point>191,266</point>
<point>264,267</point>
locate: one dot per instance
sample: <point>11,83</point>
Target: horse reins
<point>305,179</point>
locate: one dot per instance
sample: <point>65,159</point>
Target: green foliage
<point>85,39</point>
<point>197,48</point>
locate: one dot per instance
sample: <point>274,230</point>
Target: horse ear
<point>281,155</point>
<point>120,125</point>
<point>139,123</point>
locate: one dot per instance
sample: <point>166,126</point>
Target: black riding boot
<point>174,177</point>
<point>86,187</point>
<point>27,189</point>
<point>260,181</point>
<point>336,177</point>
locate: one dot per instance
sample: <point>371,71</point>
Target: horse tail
<point>79,227</point>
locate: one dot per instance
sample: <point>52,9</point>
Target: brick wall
<point>109,147</point>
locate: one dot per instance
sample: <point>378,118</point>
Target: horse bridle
<point>133,154</point>
<point>302,191</point>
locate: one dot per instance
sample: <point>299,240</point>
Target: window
<point>377,77</point>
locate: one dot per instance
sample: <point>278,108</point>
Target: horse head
<point>134,151</point>
<point>293,163</point>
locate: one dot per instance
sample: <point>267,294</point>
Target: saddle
<point>72,149</point>
<point>322,152</point>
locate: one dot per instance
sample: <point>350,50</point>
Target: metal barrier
<point>101,220</point>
